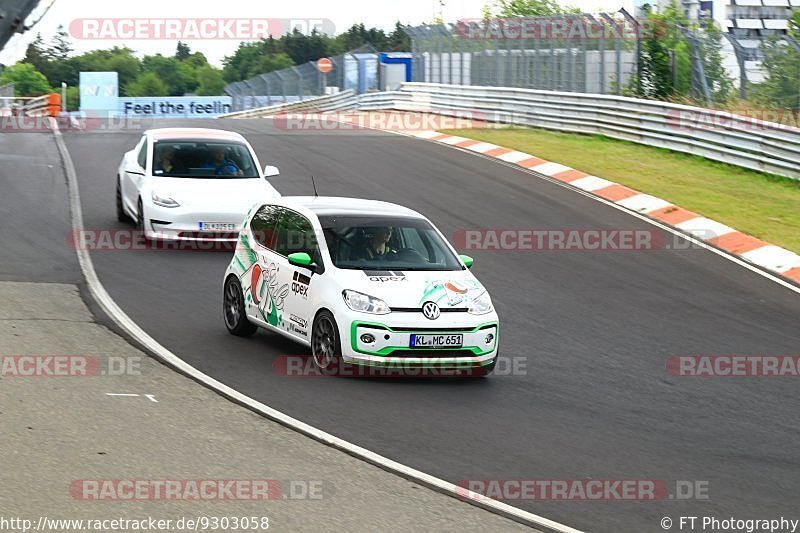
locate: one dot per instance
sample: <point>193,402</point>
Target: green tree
<point>780,87</point>
<point>73,98</point>
<point>302,48</point>
<point>270,63</point>
<point>119,60</point>
<point>37,54</point>
<point>59,68</point>
<point>147,84</point>
<point>210,81</point>
<point>196,60</point>
<point>720,84</point>
<point>398,40</point>
<point>532,8</point>
<point>794,24</point>
<point>254,58</point>
<point>666,60</point>
<point>26,79</point>
<point>178,78</point>
<point>61,47</point>
<point>182,51</point>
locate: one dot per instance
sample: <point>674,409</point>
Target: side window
<point>263,225</point>
<point>295,234</point>
<point>141,158</point>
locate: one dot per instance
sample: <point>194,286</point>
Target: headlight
<point>364,303</point>
<point>164,200</point>
<point>480,305</point>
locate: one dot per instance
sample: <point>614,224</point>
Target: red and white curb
<point>760,253</point>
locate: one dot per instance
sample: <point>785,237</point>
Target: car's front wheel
<point>122,216</point>
<point>233,310</point>
<point>140,223</point>
<point>326,346</point>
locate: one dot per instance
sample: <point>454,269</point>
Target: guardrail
<point>48,105</point>
<point>725,137</point>
<point>729,138</point>
<point>321,103</point>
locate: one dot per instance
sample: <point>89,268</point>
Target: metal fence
<point>300,82</point>
<point>599,56</point>
<point>6,95</point>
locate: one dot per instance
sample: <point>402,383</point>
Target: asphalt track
<point>595,329</point>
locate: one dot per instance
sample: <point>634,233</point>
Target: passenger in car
<point>166,161</point>
<point>221,165</point>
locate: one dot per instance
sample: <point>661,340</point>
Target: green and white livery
<point>360,282</point>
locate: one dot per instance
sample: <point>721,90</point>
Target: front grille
<point>432,352</point>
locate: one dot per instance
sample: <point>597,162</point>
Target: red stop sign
<point>325,65</point>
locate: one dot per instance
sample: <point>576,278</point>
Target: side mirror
<point>270,171</point>
<point>467,260</point>
<point>300,259</point>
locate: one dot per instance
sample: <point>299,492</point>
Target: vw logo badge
<point>430,310</point>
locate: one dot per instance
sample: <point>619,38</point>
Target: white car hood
<point>410,289</point>
<point>198,193</point>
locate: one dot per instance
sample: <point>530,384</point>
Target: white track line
<point>131,328</point>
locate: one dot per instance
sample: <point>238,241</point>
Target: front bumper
<point>391,345</point>
<point>184,224</point>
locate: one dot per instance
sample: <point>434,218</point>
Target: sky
<point>341,13</point>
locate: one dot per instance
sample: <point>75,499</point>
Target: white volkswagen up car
<point>362,283</point>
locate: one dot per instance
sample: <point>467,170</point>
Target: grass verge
<point>762,205</point>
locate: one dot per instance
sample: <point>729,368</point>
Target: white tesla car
<point>191,184</point>
<point>363,283</point>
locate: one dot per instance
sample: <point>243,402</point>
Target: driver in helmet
<point>377,245</point>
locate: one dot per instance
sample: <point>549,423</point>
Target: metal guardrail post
<point>738,51</point>
<point>283,85</point>
<point>617,48</point>
<point>699,81</point>
<point>552,64</point>
<point>267,84</point>
<point>638,29</point>
<point>252,92</point>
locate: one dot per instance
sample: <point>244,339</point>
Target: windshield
<point>386,243</point>
<point>203,159</point>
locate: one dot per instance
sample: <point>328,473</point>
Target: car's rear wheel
<point>233,310</point>
<point>122,216</point>
<point>326,346</point>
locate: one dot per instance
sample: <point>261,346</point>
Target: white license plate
<point>436,341</point>
<point>218,226</point>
